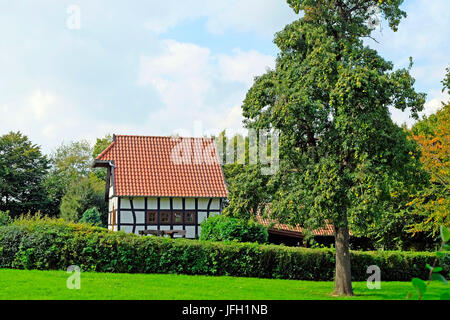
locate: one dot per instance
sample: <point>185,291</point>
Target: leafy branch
<point>434,274</point>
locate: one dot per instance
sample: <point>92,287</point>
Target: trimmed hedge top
<point>42,243</point>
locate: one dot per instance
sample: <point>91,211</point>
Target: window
<point>164,217</point>
<point>152,217</point>
<point>190,217</point>
<point>178,217</point>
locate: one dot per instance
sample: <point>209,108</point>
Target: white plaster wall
<point>139,203</point>
<point>126,228</point>
<point>139,228</point>
<point>140,216</point>
<point>113,202</point>
<point>152,203</point>
<point>190,232</point>
<point>125,203</point>
<point>215,204</point>
<point>177,203</point>
<point>165,203</point>
<point>126,216</point>
<point>201,216</point>
<point>203,203</point>
<point>190,204</point>
<point>111,188</point>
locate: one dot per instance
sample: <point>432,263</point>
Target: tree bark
<point>343,276</point>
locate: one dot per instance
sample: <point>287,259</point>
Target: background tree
<point>92,216</point>
<point>245,183</point>
<point>22,171</point>
<point>433,135</point>
<point>65,183</point>
<point>73,160</point>
<point>83,194</point>
<point>4,218</point>
<point>341,157</point>
<point>100,145</point>
<point>69,162</point>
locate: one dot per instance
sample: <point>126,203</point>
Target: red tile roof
<point>327,231</point>
<point>165,166</point>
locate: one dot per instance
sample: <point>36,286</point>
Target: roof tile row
<point>165,166</point>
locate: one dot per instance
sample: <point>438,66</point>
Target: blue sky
<point>159,67</point>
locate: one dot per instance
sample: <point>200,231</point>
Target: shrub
<point>4,218</point>
<point>43,243</point>
<point>82,194</point>
<point>92,216</point>
<point>223,228</point>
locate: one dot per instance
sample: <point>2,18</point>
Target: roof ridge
<point>167,137</point>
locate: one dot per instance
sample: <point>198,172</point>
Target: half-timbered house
<point>162,183</point>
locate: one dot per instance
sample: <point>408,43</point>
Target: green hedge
<point>223,228</point>
<point>54,244</point>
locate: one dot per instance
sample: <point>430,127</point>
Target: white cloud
<point>244,66</point>
<point>41,103</point>
<point>49,120</point>
<point>163,15</point>
<point>262,17</point>
<point>196,85</point>
<point>192,84</point>
<point>435,102</point>
<point>181,73</point>
<point>58,84</point>
<point>232,122</point>
<point>423,35</point>
<point>432,105</point>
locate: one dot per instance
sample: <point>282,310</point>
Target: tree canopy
<point>342,159</point>
<point>433,136</point>
<point>101,144</point>
<point>22,172</point>
<point>92,216</point>
<point>83,194</point>
<point>69,162</point>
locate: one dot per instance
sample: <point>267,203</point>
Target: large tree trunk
<point>343,277</point>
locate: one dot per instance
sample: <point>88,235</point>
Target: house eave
<point>103,163</point>
<point>109,164</point>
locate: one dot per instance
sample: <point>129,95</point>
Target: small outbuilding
<point>293,235</point>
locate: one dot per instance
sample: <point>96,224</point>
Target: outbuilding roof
<point>164,166</point>
<point>274,226</point>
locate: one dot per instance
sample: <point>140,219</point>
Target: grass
<point>36,284</point>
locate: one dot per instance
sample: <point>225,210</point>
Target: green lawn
<point>34,284</point>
